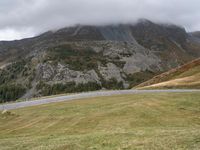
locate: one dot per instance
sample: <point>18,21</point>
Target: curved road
<point>10,106</point>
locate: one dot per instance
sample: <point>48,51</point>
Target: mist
<point>26,18</point>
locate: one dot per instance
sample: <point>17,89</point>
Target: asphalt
<point>40,101</point>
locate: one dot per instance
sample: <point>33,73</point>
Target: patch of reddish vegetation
<point>172,73</point>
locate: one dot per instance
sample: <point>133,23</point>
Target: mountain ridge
<point>93,57</point>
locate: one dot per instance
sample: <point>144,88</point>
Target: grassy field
<point>163,121</point>
<point>189,82</point>
<point>186,76</point>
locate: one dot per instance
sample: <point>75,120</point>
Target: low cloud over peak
<point>22,18</point>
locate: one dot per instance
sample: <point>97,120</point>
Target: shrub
<point>69,87</point>
<point>139,77</point>
<point>113,84</point>
<point>11,92</point>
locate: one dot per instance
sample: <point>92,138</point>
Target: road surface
<point>40,101</point>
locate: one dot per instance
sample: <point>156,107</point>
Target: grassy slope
<point>142,121</point>
<point>186,76</point>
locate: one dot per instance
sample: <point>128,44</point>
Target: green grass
<point>142,121</point>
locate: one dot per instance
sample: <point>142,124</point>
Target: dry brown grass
<point>186,76</point>
<point>161,121</point>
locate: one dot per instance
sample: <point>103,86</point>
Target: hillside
<point>186,76</point>
<point>86,58</point>
<point>140,121</point>
<point>196,34</point>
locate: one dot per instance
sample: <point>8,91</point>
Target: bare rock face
<point>46,71</point>
<point>111,71</point>
<point>140,62</point>
<point>136,57</point>
<point>62,74</point>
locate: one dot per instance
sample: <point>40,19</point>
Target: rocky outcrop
<point>62,74</point>
<point>139,62</point>
<point>111,71</point>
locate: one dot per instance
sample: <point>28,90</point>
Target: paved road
<point>41,101</point>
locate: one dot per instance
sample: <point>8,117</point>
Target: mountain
<point>186,76</point>
<point>83,58</point>
<point>196,34</point>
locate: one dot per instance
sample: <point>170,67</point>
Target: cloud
<point>24,18</point>
<point>12,34</point>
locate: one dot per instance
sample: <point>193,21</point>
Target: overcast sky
<point>26,18</point>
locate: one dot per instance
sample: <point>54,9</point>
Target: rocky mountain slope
<point>196,34</point>
<point>83,58</point>
<point>186,76</point>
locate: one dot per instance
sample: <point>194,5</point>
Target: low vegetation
<point>186,76</point>
<point>12,72</point>
<point>70,87</point>
<point>143,121</point>
<point>112,84</point>
<point>76,58</point>
<point>79,58</point>
<point>15,79</point>
<point>11,92</point>
<point>139,77</point>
